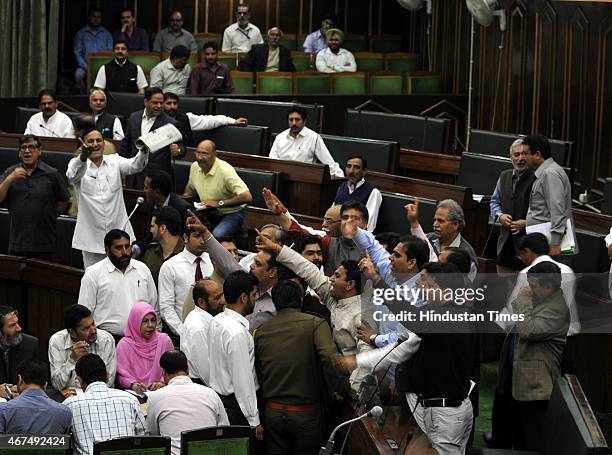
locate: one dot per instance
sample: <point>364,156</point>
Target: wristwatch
<point>220,203</point>
<point>373,340</point>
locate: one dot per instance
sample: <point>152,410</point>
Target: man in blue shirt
<point>91,38</point>
<point>33,412</point>
<point>136,38</point>
<point>315,41</point>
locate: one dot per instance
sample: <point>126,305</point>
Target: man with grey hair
<point>449,221</point>
<point>270,231</point>
<point>108,124</point>
<point>509,205</point>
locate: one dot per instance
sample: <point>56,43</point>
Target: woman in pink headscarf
<point>138,352</point>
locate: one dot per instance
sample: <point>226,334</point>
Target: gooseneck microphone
<point>139,202</point>
<point>48,129</point>
<point>376,412</point>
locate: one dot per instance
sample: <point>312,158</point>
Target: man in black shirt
<point>121,75</point>
<point>35,194</point>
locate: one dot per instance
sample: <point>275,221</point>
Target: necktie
<point>198,270</point>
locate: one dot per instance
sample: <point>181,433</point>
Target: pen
<point>138,283</point>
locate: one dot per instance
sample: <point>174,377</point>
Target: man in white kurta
<point>97,180</point>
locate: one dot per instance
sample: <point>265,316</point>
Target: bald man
<point>269,56</point>
<point>223,195</point>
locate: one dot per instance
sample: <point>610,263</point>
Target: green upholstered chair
<point>303,61</point>
<point>310,83</point>
<point>243,82</point>
<point>369,61</point>
<point>402,62</point>
<point>355,43</point>
<point>134,445</point>
<point>423,82</point>
<point>231,59</point>
<point>348,83</point>
<point>300,41</point>
<point>386,83</point>
<point>202,38</point>
<point>385,43</point>
<point>274,83</point>
<point>231,440</point>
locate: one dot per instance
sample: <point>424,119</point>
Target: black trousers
<point>232,408</point>
<point>292,432</point>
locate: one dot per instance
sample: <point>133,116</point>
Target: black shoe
<point>488,438</point>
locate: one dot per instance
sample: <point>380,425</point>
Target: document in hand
<point>568,245</point>
<point>158,139</point>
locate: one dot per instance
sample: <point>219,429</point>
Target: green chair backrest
<point>302,60</point>
<point>229,58</point>
<point>277,84</point>
<point>423,84</point>
<point>243,82</point>
<point>349,84</point>
<point>33,451</point>
<point>300,42</point>
<point>386,43</point>
<point>386,84</point>
<point>355,43</point>
<point>369,62</point>
<point>95,61</point>
<point>311,83</point>
<point>206,37</point>
<point>231,446</point>
<point>402,62</point>
<point>289,42</point>
<point>147,60</point>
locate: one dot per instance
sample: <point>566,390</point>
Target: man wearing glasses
<point>174,35</point>
<point>35,194</point>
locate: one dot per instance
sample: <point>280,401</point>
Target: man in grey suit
<point>142,122</point>
<point>530,361</point>
<point>551,193</point>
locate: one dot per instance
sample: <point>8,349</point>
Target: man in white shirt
<point>80,337</point>
<point>239,37</point>
<point>49,121</point>
<point>101,413</point>
<point>334,59</point>
<point>112,286</point>
<point>182,405</point>
<point>97,180</point>
<point>108,124</point>
<point>121,75</point>
<point>231,351</point>
<point>208,300</point>
<point>177,275</point>
<point>172,74</point>
<point>358,189</point>
<point>300,143</point>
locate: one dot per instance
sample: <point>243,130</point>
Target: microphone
<point>139,202</point>
<point>376,412</point>
<point>49,130</point>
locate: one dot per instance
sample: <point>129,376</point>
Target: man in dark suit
<point>270,56</point>
<point>141,122</point>
<point>158,192</point>
<point>15,348</point>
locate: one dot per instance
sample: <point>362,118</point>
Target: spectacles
<point>28,147</point>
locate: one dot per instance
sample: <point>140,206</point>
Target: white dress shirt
<point>568,286</point>
<point>236,39</point>
<point>194,343</point>
<point>62,364</point>
<point>183,406</point>
<point>373,203</point>
<point>147,123</point>
<point>141,80</point>
<point>100,198</point>
<point>110,293</point>
<point>117,128</point>
<point>102,413</point>
<point>328,62</point>
<point>58,125</point>
<point>176,276</point>
<point>208,122</point>
<point>231,351</point>
<point>306,147</point>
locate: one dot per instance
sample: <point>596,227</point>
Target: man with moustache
<point>174,35</point>
<point>358,189</point>
<point>210,77</point>
<point>335,59</point>
<point>112,286</point>
<point>15,348</point>
<point>239,37</point>
<point>509,205</point>
<point>208,299</point>
<point>49,121</point>
<point>271,231</point>
<point>35,194</point>
<point>270,56</point>
<point>121,75</point>
<point>136,38</point>
<point>108,124</point>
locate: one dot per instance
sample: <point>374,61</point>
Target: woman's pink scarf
<point>137,357</point>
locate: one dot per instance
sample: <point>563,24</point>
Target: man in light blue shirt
<point>316,41</point>
<point>91,38</point>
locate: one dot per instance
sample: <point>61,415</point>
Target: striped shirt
<point>101,414</point>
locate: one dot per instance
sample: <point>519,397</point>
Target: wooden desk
<point>440,167</point>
